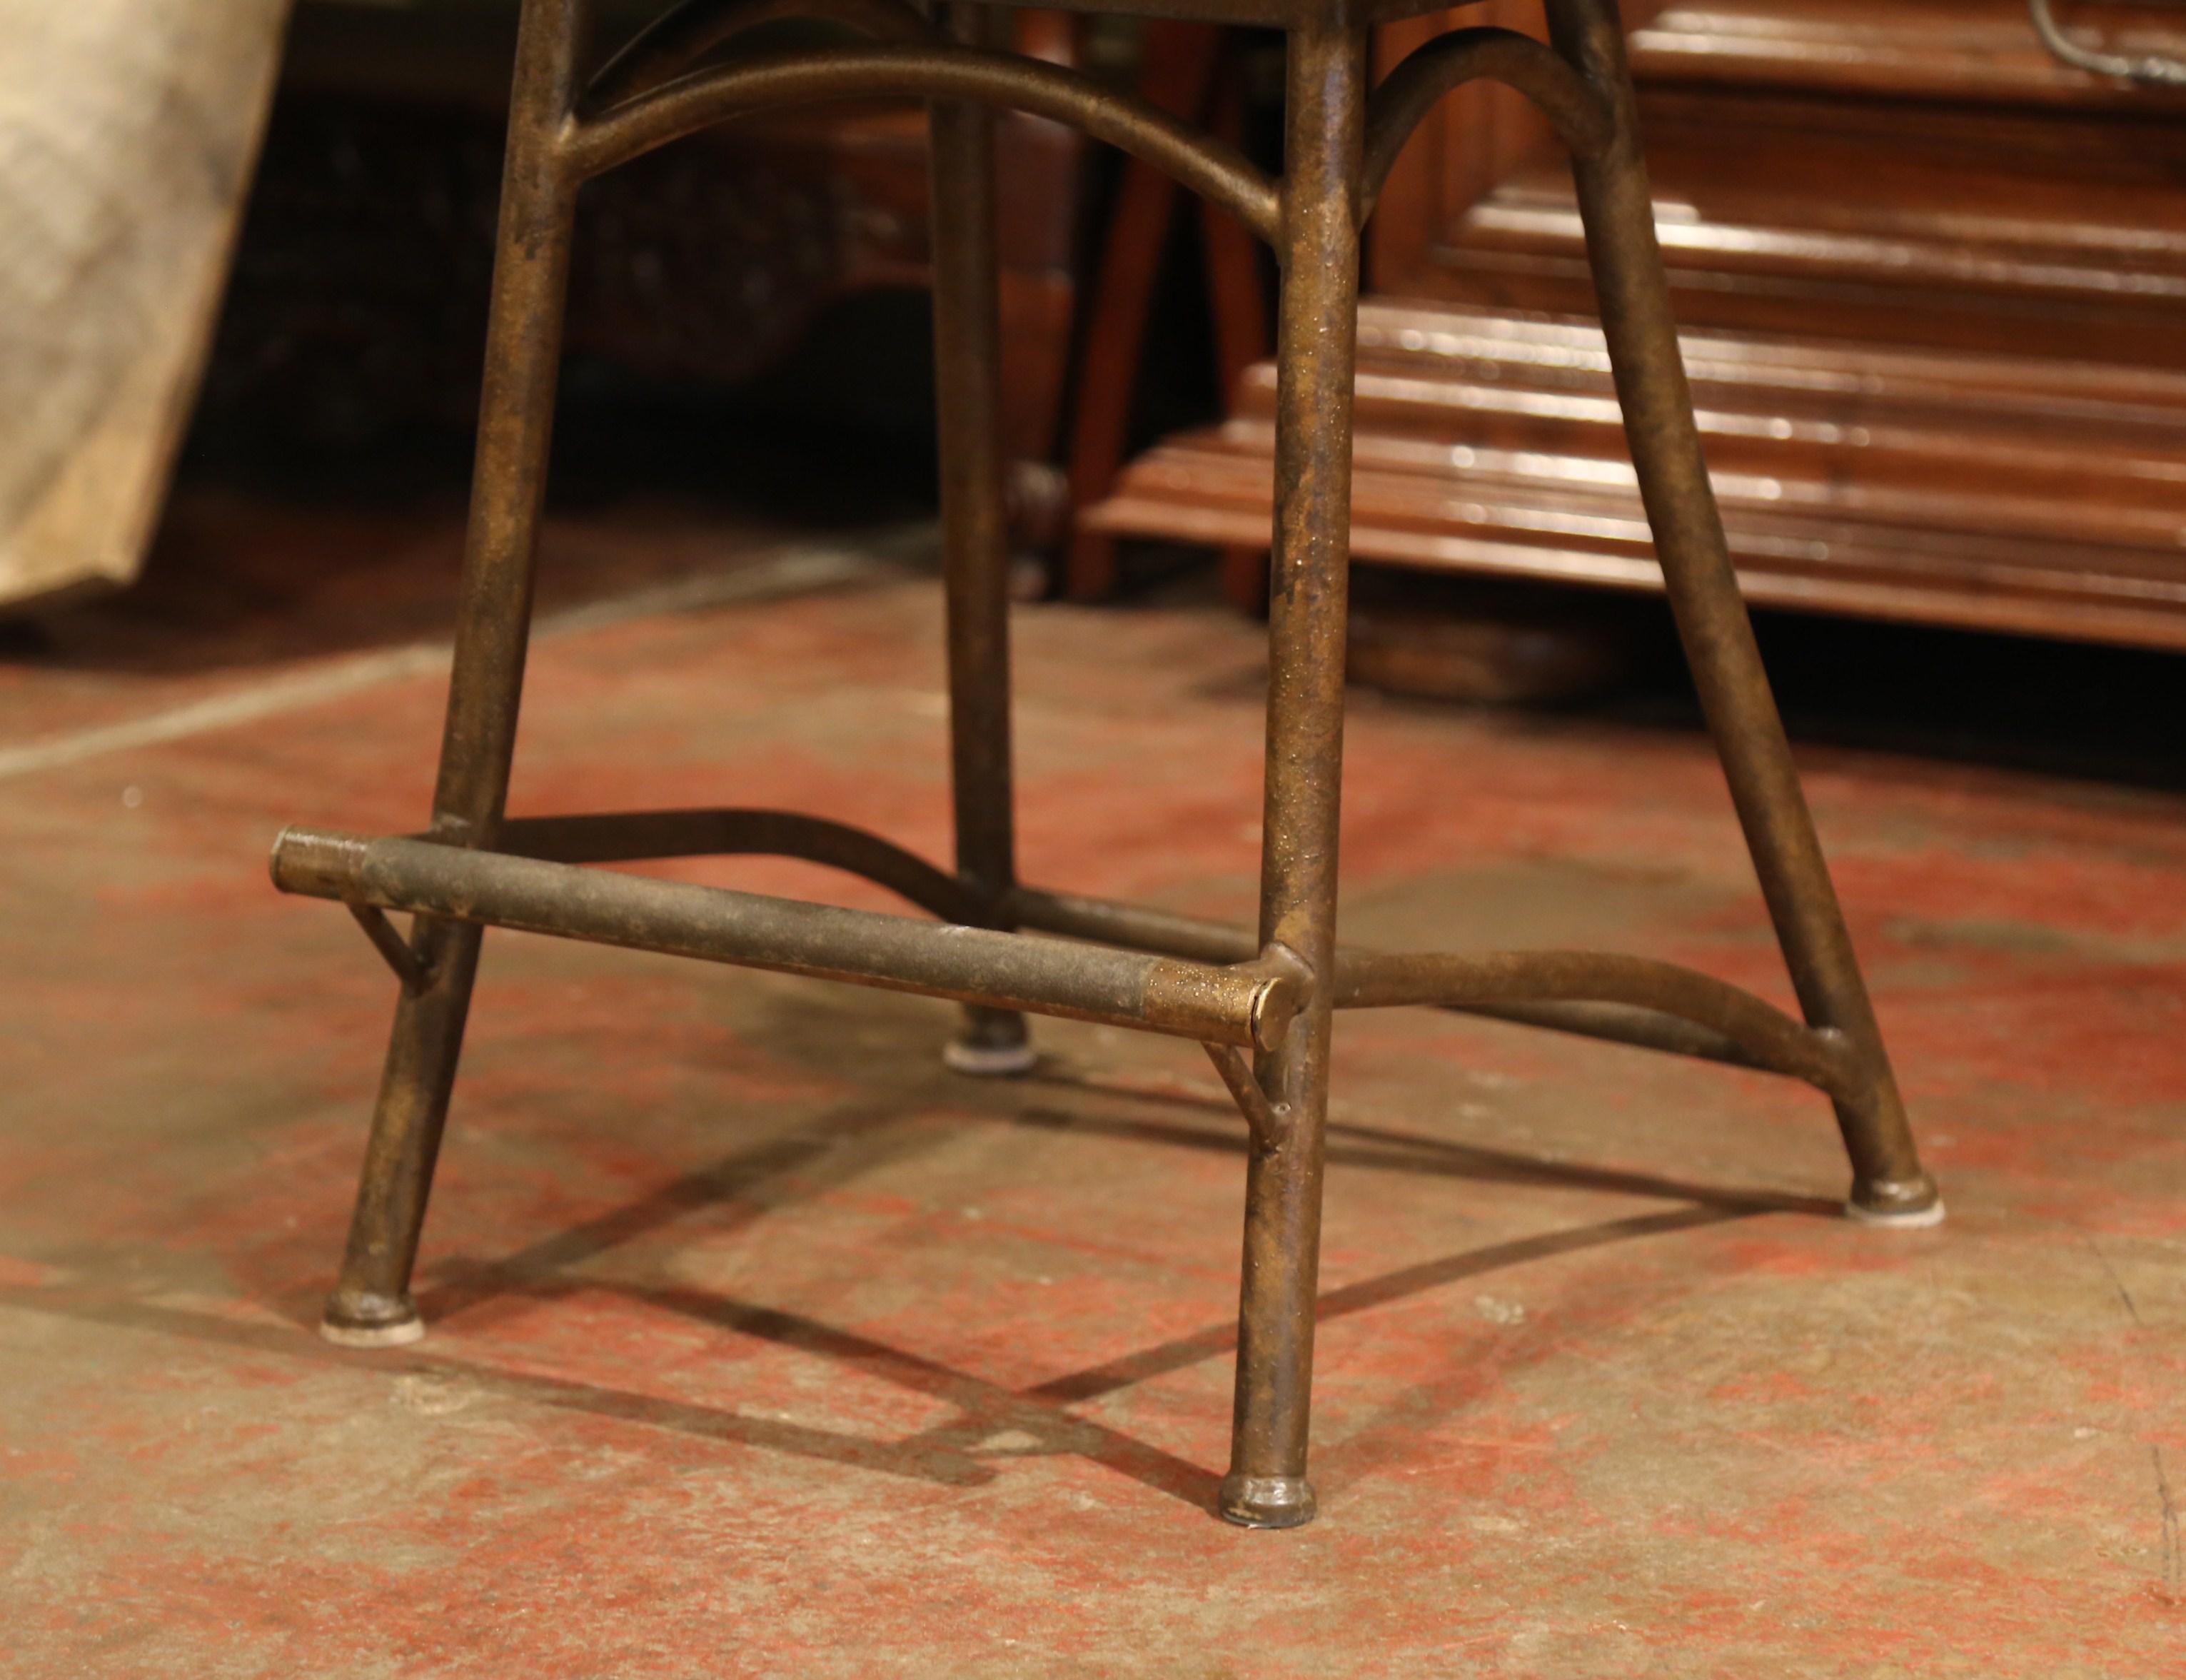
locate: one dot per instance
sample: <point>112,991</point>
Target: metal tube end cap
<point>273,854</point>
<point>1897,1204</point>
<point>316,863</point>
<point>371,1321</point>
<point>1266,1501</point>
<point>989,1061</point>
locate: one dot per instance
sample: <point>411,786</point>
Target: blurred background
<point>1933,284</point>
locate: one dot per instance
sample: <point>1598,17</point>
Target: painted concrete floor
<point>762,1346</point>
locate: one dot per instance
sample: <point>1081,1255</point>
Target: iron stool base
<point>1261,1002</point>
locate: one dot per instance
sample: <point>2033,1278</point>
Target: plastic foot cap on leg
<point>1897,1204</point>
<point>1266,1501</point>
<point>371,1321</point>
<point>988,1060</point>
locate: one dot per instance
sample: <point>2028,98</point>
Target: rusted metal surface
<point>1648,1006</point>
<point>394,950</point>
<point>1244,1005</point>
<point>1710,617</point>
<point>1768,1037</point>
<point>1274,993</point>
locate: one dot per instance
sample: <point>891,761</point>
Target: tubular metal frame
<point>1262,1002</point>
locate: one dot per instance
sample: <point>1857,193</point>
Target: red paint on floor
<point>762,1346</point>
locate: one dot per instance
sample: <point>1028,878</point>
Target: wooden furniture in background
<point>1933,292</point>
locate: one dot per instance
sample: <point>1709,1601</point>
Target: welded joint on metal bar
<point>1268,1119</point>
<point>1239,1005</point>
<point>414,975</point>
<point>1848,1063</point>
<point>1772,1039</point>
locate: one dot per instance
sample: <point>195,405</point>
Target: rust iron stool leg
<point>1889,1185</point>
<point>371,1305</point>
<point>975,531</point>
<point>1266,1487</point>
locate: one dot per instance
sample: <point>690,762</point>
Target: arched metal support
<point>1771,1038</point>
<point>1580,115</point>
<point>677,39</point>
<point>630,837</point>
<point>592,146</point>
<point>1629,1000</point>
<point>1266,1119</point>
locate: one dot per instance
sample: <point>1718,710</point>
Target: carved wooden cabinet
<point>1933,289</point>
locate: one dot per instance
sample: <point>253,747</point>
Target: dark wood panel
<point>1929,487</point>
<point>1934,288</point>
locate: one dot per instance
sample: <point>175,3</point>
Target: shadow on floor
<point>964,1451</point>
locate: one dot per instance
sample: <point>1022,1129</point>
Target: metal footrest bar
<point>1239,1005</point>
<point>1629,1000</point>
<point>1267,1118</point>
<point>394,950</point>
